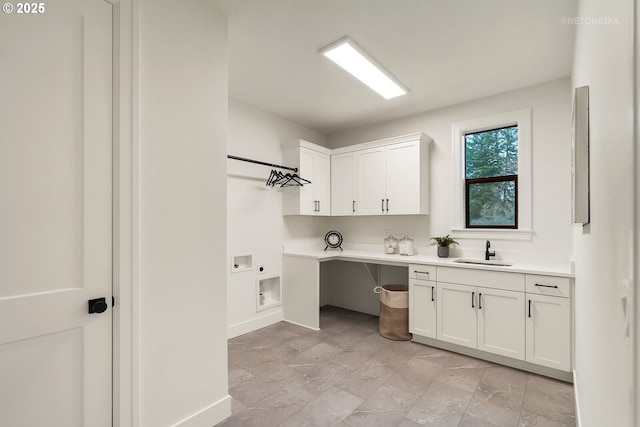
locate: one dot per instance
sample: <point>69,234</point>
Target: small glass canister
<point>390,245</point>
<point>406,246</point>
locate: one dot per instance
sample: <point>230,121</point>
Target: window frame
<point>522,231</point>
<point>502,178</point>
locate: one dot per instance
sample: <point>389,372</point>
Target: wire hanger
<point>298,181</point>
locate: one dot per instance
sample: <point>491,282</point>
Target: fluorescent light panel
<point>352,58</point>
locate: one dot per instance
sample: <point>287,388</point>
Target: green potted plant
<point>443,243</point>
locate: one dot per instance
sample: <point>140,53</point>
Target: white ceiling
<point>444,51</point>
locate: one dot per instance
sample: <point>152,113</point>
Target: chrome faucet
<point>487,254</point>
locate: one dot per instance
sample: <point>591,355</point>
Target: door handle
<point>98,305</point>
<point>473,300</point>
<point>529,308</point>
<point>354,206</point>
<point>480,301</point>
<point>433,298</point>
<point>546,286</point>
<point>387,205</point>
<point>382,206</point>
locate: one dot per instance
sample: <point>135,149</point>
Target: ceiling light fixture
<point>355,60</point>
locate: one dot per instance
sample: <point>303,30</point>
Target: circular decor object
<point>333,239</point>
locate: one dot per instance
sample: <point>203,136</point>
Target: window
<point>491,178</point>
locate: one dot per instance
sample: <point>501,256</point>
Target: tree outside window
<point>491,178</point>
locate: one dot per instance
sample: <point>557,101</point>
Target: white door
<point>371,181</point>
<point>321,178</point>
<point>501,322</point>
<point>55,214</point>
<point>457,318</point>
<point>308,203</point>
<point>422,307</point>
<point>548,325</point>
<point>343,199</point>
<point>403,178</point>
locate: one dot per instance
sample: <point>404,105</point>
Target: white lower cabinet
<point>422,307</point>
<point>422,300</point>
<point>549,331</point>
<point>487,319</point>
<point>521,316</point>
<point>501,323</point>
<point>457,317</point>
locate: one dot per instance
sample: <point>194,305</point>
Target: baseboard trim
<point>254,324</point>
<point>300,324</point>
<point>576,400</point>
<point>208,416</point>
<point>496,358</point>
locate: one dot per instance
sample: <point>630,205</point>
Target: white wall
<point>604,248</point>
<point>551,118</point>
<point>181,312</point>
<point>255,223</point>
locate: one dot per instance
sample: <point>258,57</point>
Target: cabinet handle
<point>480,301</point>
<point>529,308</point>
<point>433,298</point>
<point>473,298</point>
<point>387,205</point>
<point>318,205</point>
<point>354,206</point>
<point>421,272</point>
<point>382,206</point>
<point>546,286</point>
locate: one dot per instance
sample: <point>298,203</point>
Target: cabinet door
<point>422,308</point>
<point>308,205</point>
<point>371,181</point>
<point>403,178</point>
<point>501,327</point>
<point>320,183</point>
<point>343,169</point>
<point>548,329</point>
<point>457,318</point>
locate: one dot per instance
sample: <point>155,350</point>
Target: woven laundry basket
<point>394,311</point>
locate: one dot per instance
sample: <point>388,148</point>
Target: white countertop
<point>401,260</point>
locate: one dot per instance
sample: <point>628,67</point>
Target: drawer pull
<point>547,286</point>
<point>421,272</point>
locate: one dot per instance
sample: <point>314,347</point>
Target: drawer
<point>549,285</point>
<point>422,272</point>
<point>489,279</point>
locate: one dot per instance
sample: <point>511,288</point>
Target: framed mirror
<point>580,157</point>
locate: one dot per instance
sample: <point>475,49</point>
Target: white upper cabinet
<point>387,177</point>
<point>371,181</point>
<point>343,188</point>
<point>313,163</point>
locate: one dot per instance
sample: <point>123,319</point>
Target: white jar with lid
<point>390,245</point>
<point>406,246</point>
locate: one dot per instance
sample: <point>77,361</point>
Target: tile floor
<point>348,375</point>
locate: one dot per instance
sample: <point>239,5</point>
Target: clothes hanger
<point>275,176</point>
<point>299,181</point>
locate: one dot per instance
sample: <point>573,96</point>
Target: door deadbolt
<point>98,305</point>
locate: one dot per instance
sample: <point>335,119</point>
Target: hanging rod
<point>261,163</point>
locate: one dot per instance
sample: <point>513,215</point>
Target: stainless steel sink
<point>483,262</point>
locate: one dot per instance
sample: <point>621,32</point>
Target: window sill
<point>485,233</point>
